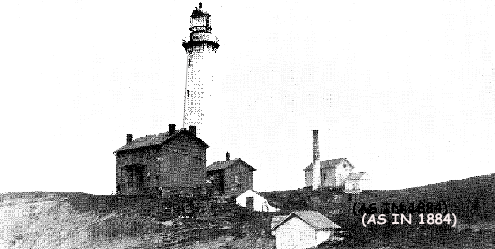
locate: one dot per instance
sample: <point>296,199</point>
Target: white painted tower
<point>201,45</point>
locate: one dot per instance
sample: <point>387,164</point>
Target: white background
<point>403,89</point>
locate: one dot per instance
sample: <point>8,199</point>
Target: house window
<point>196,161</point>
<point>324,176</point>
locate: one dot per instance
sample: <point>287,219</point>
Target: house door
<point>135,179</point>
<point>139,181</point>
<point>250,203</point>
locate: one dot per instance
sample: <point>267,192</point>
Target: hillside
<point>471,200</point>
<point>78,220</point>
<point>51,222</point>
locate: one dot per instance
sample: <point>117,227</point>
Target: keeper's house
<point>167,162</point>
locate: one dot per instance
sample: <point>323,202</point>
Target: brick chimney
<point>316,162</point>
<point>129,138</point>
<point>316,147</point>
<point>192,129</point>
<point>171,129</point>
<point>227,156</point>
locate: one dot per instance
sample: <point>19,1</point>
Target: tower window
<point>188,93</point>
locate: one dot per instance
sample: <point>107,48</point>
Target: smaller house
<point>256,202</point>
<point>357,182</point>
<point>230,177</point>
<point>303,229</point>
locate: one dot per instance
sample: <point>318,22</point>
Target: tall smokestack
<point>316,149</point>
<point>316,162</point>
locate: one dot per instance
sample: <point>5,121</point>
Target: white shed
<point>255,201</point>
<point>356,182</point>
<point>303,229</point>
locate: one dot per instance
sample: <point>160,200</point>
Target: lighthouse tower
<point>199,47</point>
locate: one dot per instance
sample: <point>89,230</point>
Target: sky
<point>403,89</point>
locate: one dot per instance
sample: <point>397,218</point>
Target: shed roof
<point>315,219</point>
<point>356,176</point>
<point>151,140</point>
<point>276,220</point>
<point>329,164</point>
<point>225,164</point>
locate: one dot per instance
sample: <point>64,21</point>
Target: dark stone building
<point>230,177</point>
<point>170,161</point>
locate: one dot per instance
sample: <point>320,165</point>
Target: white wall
<point>322,236</point>
<point>295,234</point>
<point>341,174</point>
<point>330,177</point>
<point>308,178</point>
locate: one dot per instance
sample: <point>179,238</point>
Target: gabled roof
<point>225,164</point>
<point>276,220</point>
<point>315,219</point>
<point>329,164</point>
<point>356,176</point>
<point>154,140</point>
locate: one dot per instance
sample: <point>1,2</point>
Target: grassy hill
<point>79,220</point>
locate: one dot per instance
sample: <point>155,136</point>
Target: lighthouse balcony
<point>203,37</point>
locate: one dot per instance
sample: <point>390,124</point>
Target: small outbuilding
<point>357,182</point>
<point>255,201</point>
<point>230,177</point>
<point>303,229</point>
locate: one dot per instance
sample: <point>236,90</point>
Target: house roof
<point>356,176</point>
<point>159,139</point>
<point>225,164</point>
<point>329,164</point>
<point>276,220</point>
<point>315,219</point>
